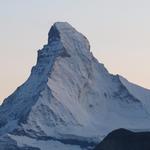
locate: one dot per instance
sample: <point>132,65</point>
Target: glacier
<point>70,101</point>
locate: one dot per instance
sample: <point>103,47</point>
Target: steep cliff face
<point>70,101</point>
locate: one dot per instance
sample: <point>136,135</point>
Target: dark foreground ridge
<point>123,139</point>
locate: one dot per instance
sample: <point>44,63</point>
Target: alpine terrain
<point>70,101</point>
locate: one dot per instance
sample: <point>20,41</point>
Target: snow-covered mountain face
<point>70,101</point>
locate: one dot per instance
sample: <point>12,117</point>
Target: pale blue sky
<point>118,30</point>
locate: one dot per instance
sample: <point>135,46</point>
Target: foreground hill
<point>122,139</point>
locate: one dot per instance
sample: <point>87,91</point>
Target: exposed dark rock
<point>53,34</point>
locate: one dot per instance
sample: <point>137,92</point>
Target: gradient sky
<point>118,31</point>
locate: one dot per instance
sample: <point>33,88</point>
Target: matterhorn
<point>70,101</point>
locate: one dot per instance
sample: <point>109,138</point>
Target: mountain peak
<point>69,37</point>
<point>63,25</point>
<point>59,28</point>
<point>69,100</point>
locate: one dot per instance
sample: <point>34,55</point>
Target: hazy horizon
<point>118,32</point>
